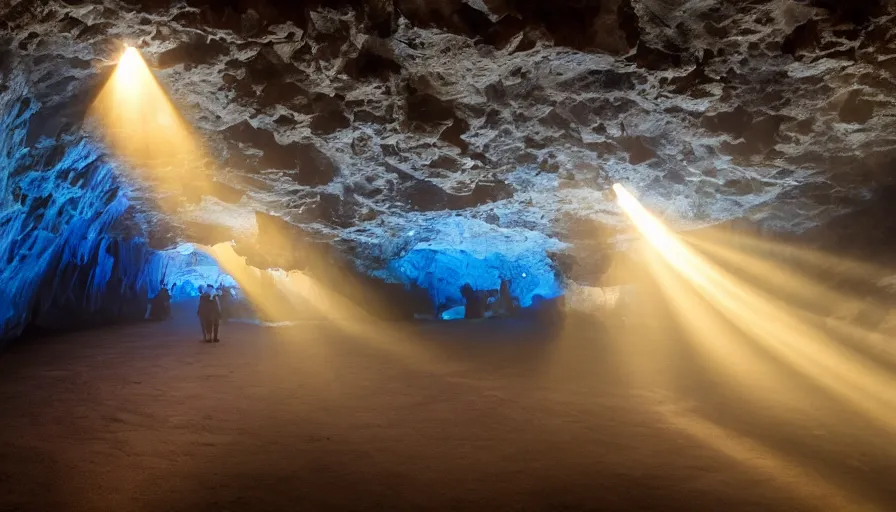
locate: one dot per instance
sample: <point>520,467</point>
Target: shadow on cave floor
<point>502,415</point>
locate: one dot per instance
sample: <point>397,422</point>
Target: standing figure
<point>222,293</point>
<point>214,314</point>
<point>160,305</point>
<point>505,299</point>
<point>473,306</point>
<point>209,313</point>
<point>204,302</point>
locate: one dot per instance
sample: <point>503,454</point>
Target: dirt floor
<point>491,415</point>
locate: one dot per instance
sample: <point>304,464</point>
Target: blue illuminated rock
<point>64,264</point>
<point>434,145</point>
<point>444,255</point>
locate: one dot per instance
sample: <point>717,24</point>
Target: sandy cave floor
<point>496,415</point>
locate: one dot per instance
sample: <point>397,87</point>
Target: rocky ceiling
<point>385,125</point>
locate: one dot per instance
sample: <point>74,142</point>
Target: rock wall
<point>67,259</point>
<point>386,127</point>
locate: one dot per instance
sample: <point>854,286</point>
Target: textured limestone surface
<point>388,127</point>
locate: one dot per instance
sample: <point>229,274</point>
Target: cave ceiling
<point>378,123</point>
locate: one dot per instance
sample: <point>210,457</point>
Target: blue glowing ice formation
<point>186,268</point>
<point>59,260</point>
<point>455,313</point>
<point>454,251</point>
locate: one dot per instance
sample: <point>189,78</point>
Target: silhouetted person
<point>209,313</point>
<point>165,296</point>
<point>215,314</point>
<point>202,312</point>
<point>160,306</point>
<point>224,301</point>
<point>473,307</point>
<point>505,299</point>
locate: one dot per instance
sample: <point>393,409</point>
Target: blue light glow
<point>58,206</point>
<point>455,313</point>
<point>187,267</point>
<point>461,250</point>
<point>65,252</point>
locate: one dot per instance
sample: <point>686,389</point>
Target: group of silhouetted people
<point>476,302</point>
<point>215,305</point>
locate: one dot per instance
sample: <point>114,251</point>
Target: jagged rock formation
<point>387,127</point>
<point>68,257</point>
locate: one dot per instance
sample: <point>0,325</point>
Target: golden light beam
<point>787,282</point>
<point>786,279</point>
<point>802,256</point>
<point>294,295</point>
<point>771,323</point>
<point>143,128</point>
<point>717,340</point>
<point>764,461</point>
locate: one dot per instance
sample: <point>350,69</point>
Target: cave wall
<point>386,127</point>
<point>187,268</point>
<point>67,259</point>
<point>453,251</point>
